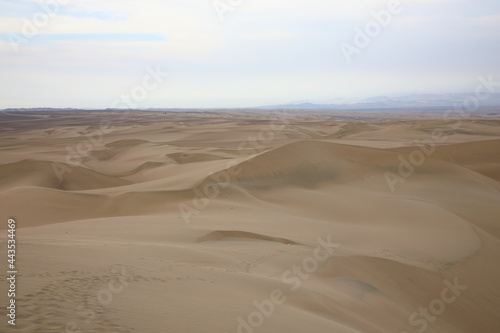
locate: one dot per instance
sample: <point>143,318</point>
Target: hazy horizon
<point>187,54</point>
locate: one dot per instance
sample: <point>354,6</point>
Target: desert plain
<point>213,222</point>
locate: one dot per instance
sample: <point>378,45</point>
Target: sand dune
<point>45,174</point>
<point>246,223</point>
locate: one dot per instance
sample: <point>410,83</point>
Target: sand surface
<point>240,222</point>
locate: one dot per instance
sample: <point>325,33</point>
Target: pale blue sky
<point>265,51</point>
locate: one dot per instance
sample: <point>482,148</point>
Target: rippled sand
<point>239,222</point>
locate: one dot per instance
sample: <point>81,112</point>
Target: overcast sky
<point>91,53</point>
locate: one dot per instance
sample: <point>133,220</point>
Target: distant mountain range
<point>420,101</point>
<point>408,102</point>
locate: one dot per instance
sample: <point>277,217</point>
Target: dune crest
<point>239,222</point>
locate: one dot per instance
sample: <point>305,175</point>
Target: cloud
<point>264,51</point>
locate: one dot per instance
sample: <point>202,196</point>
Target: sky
<point>240,53</point>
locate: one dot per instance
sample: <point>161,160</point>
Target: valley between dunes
<point>240,222</point>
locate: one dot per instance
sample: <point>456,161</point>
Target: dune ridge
<point>300,228</point>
